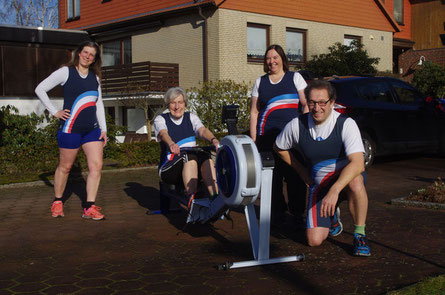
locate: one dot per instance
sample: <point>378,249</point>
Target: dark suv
<point>392,115</point>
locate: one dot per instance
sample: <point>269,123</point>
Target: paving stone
<point>4,284</point>
<point>95,282</point>
<point>29,287</point>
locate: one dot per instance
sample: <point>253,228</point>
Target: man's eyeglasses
<point>312,103</point>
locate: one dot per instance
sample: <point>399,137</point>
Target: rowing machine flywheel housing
<point>238,170</point>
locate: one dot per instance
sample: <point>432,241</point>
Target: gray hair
<point>173,93</point>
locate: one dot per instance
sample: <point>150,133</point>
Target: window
<point>348,39</point>
<point>257,42</point>
<point>73,9</point>
<point>116,52</point>
<point>406,94</point>
<point>296,46</point>
<point>398,11</point>
<point>375,91</point>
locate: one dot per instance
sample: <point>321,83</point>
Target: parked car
<point>392,115</point>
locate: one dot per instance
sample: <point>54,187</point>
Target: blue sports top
<point>278,104</point>
<point>80,97</point>
<point>182,134</point>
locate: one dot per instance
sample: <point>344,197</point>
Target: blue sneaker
<point>361,247</point>
<point>336,225</point>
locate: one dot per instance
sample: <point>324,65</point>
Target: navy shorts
<point>75,140</point>
<point>173,174</point>
<point>316,195</point>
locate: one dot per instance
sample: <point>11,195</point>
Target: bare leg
<point>94,152</point>
<point>316,236</point>
<point>66,161</point>
<point>208,173</point>
<point>190,176</point>
<point>357,200</point>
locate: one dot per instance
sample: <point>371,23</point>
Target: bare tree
<point>42,13</point>
<point>46,12</point>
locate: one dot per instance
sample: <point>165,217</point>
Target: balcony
<point>143,78</point>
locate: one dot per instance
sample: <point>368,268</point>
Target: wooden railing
<point>142,77</point>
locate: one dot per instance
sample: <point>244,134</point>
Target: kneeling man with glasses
<point>332,147</point>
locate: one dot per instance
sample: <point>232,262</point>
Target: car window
<point>375,90</point>
<point>406,94</point>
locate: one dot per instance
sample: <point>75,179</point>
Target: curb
<point>404,202</point>
<point>43,183</point>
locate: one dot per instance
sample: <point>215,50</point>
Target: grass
<point>15,178</point>
<point>429,286</point>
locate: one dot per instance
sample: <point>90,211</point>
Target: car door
<point>384,114</point>
<point>419,118</point>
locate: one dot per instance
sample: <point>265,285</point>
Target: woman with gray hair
<point>175,129</point>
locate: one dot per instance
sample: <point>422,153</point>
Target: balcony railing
<point>138,78</point>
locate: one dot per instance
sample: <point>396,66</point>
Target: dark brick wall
<point>408,61</point>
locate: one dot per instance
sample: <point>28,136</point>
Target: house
<point>428,35</point>
<point>226,39</point>
<point>27,56</point>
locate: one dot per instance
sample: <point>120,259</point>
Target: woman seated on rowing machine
<point>176,129</point>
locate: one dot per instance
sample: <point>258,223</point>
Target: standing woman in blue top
<point>275,102</point>
<point>82,123</point>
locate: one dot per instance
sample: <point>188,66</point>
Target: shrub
<point>26,148</point>
<point>431,80</point>
<point>343,60</point>
<point>23,146</point>
<point>137,153</point>
<point>207,102</point>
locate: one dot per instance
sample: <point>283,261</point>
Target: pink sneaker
<point>93,213</point>
<point>57,209</point>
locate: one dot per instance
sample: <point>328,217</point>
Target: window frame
<point>122,48</point>
<point>402,12</point>
<point>304,33</point>
<point>352,37</point>
<point>260,26</point>
<point>75,10</point>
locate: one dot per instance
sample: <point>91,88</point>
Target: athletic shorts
<point>316,195</point>
<point>172,174</point>
<point>75,140</point>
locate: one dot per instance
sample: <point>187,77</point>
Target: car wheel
<point>369,145</point>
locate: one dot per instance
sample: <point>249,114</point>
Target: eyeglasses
<point>312,103</point>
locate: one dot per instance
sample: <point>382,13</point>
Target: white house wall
<point>26,106</point>
<point>178,41</point>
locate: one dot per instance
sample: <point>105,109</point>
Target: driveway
<point>134,253</point>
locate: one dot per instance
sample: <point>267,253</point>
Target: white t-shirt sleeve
<point>289,137</point>
<point>256,86</point>
<point>158,125</point>
<point>352,138</point>
<point>299,81</point>
<point>100,110</point>
<point>196,123</point>
<point>58,77</point>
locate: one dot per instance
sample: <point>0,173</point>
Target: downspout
<point>206,47</point>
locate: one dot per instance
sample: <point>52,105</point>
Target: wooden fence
<point>136,78</point>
